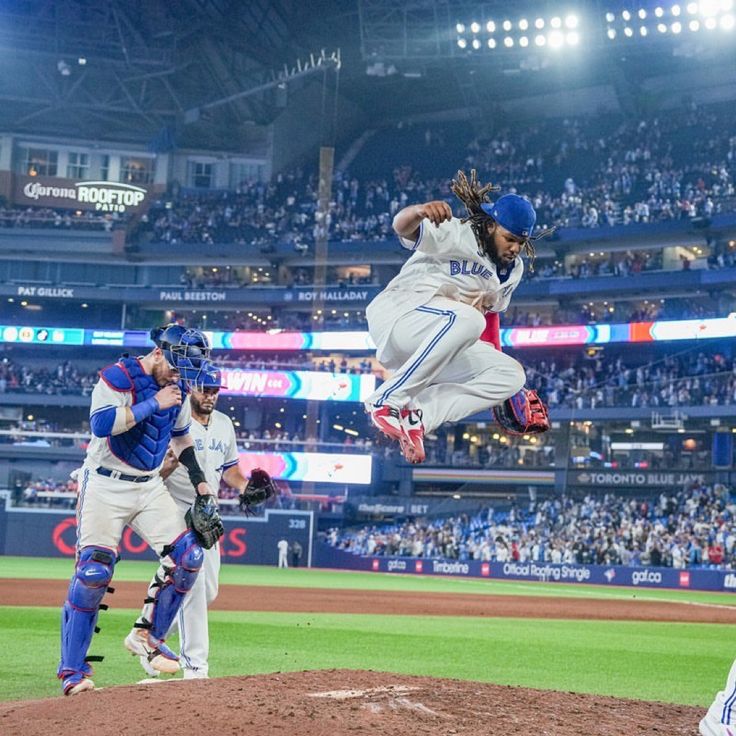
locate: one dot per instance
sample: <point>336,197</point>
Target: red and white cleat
<point>387,419</point>
<point>412,440</point>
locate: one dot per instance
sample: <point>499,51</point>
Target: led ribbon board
<point>313,385</point>
<point>313,467</point>
<point>513,337</point>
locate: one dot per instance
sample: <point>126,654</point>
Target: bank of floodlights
<point>703,16</point>
<point>483,34</point>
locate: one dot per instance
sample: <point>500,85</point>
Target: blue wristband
<point>144,409</point>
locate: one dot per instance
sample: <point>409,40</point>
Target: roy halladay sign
<point>100,196</point>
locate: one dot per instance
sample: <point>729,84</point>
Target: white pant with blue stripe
<point>723,709</point>
<point>192,620</point>
<point>438,363</point>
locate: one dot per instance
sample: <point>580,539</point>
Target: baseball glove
<point>259,489</point>
<point>523,413</point>
<point>204,520</point>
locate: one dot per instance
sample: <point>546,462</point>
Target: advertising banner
<point>313,385</point>
<point>636,478</point>
<point>100,196</point>
<point>315,467</point>
<point>635,577</point>
<point>247,540</point>
<point>515,337</point>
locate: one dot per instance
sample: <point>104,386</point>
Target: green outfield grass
<point>58,568</point>
<point>681,663</point>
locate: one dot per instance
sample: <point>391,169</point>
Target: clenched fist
<point>436,212</point>
<point>169,396</point>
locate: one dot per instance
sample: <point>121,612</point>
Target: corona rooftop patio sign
<point>100,196</point>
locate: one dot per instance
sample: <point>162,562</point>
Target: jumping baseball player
<point>139,406</point>
<point>216,449</point>
<point>720,720</point>
<point>428,320</point>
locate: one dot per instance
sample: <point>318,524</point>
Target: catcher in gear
<point>428,321</point>
<point>216,450</point>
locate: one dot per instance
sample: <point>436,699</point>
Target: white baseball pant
<point>723,708</point>
<point>105,505</point>
<point>191,621</point>
<point>438,363</point>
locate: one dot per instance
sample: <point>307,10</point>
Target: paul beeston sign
<point>103,196</point>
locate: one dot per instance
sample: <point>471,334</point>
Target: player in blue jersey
<point>139,406</point>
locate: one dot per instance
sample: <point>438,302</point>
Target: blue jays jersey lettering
<point>469,268</point>
<point>217,450</point>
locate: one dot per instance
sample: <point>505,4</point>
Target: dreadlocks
<point>472,194</point>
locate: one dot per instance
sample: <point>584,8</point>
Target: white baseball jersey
<point>446,261</point>
<point>217,450</point>
<point>98,450</point>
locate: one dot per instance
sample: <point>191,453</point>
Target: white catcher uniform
<point>216,448</point>
<point>107,504</point>
<point>427,321</point>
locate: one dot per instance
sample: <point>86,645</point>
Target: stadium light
<point>571,21</point>
<point>491,43</point>
<point>539,23</point>
<point>460,28</point>
<point>572,38</point>
<point>643,31</point>
<point>507,25</point>
<point>475,27</point>
<point>642,13</point>
<point>694,25</point>
<point>462,43</point>
<point>662,28</point>
<point>675,10</point>
<point>556,39</point>
<point>540,40</point>
<point>611,34</point>
<point>523,24</point>
<point>628,32</point>
<point>692,8</point>
<point>727,22</point>
<point>476,43</point>
<point>490,26</point>
<point>676,27</point>
<point>508,42</point>
<point>626,15</point>
<point>710,23</point>
<point>523,42</point>
<point>659,12</point>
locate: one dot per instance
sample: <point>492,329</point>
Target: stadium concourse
<point>240,172</point>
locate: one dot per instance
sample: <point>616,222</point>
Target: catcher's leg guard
<point>88,586</point>
<point>180,564</point>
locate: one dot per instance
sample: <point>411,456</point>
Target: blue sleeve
<point>102,421</point>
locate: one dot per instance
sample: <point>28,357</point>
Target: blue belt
<point>117,475</point>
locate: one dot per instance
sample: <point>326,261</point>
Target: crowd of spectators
<point>65,378</point>
<point>587,172</point>
<point>688,379</point>
<point>694,527</point>
<point>62,219</point>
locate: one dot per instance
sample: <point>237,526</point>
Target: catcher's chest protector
<point>143,446</point>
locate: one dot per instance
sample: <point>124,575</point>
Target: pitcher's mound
<point>336,702</point>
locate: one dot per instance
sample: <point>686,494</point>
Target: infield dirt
<point>337,702</point>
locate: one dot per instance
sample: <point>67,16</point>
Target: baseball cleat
<point>147,668</point>
<point>76,683</point>
<point>160,657</point>
<point>412,440</point>
<point>190,673</point>
<point>387,419</point>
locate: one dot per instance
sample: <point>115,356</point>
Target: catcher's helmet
<point>514,213</point>
<point>210,376</point>
<point>185,349</point>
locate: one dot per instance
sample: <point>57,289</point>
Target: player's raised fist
<point>436,212</point>
<point>169,396</point>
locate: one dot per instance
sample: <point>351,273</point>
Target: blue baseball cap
<point>210,376</point>
<point>514,213</point>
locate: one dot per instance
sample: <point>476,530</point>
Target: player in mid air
<point>139,406</point>
<point>215,446</point>
<point>428,320</point>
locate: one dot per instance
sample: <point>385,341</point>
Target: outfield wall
<point>638,577</point>
<point>32,532</point>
